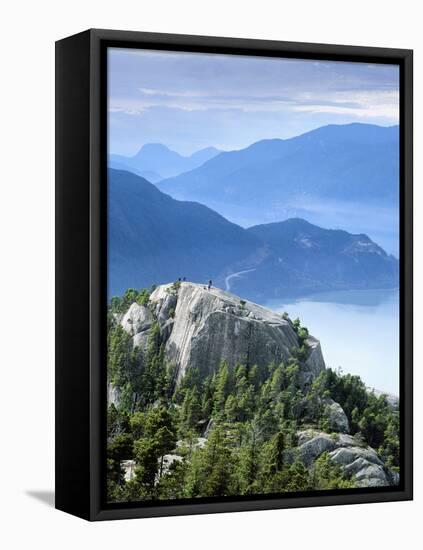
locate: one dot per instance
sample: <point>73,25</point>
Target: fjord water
<point>358,331</point>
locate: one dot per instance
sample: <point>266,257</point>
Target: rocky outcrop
<point>358,461</point>
<point>200,327</point>
<point>113,394</point>
<point>167,461</point>
<point>203,327</point>
<point>137,319</point>
<point>338,421</point>
<point>315,361</point>
<point>311,447</point>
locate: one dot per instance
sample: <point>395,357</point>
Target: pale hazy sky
<point>189,101</point>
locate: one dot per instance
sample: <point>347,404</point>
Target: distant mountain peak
<point>355,131</point>
<point>210,149</point>
<point>154,238</point>
<point>154,147</point>
<point>352,163</point>
<point>161,161</point>
<point>296,222</point>
<point>300,224</point>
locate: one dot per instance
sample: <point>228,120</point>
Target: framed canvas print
<point>234,274</point>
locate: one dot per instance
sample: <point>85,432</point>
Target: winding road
<point>233,275</point>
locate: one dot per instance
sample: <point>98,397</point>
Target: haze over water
<point>358,331</point>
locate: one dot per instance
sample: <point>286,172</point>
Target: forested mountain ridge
<point>304,259</point>
<point>346,162</point>
<point>154,238</point>
<point>212,395</point>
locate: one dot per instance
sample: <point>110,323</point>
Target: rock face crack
<point>247,361</point>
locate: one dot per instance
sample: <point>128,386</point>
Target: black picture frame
<point>81,249</point>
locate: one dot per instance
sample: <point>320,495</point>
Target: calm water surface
<point>358,331</point>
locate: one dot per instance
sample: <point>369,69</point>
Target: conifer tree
<point>222,385</point>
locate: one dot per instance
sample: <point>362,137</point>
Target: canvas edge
<point>99,38</point>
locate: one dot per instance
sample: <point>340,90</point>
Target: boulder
<point>347,455</point>
<point>313,448</point>
<point>356,466</point>
<point>306,435</point>
<point>345,440</point>
<point>394,477</point>
<point>338,421</point>
<point>137,319</point>
<point>371,475</point>
<point>361,463</point>
<point>367,474</point>
<point>113,395</point>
